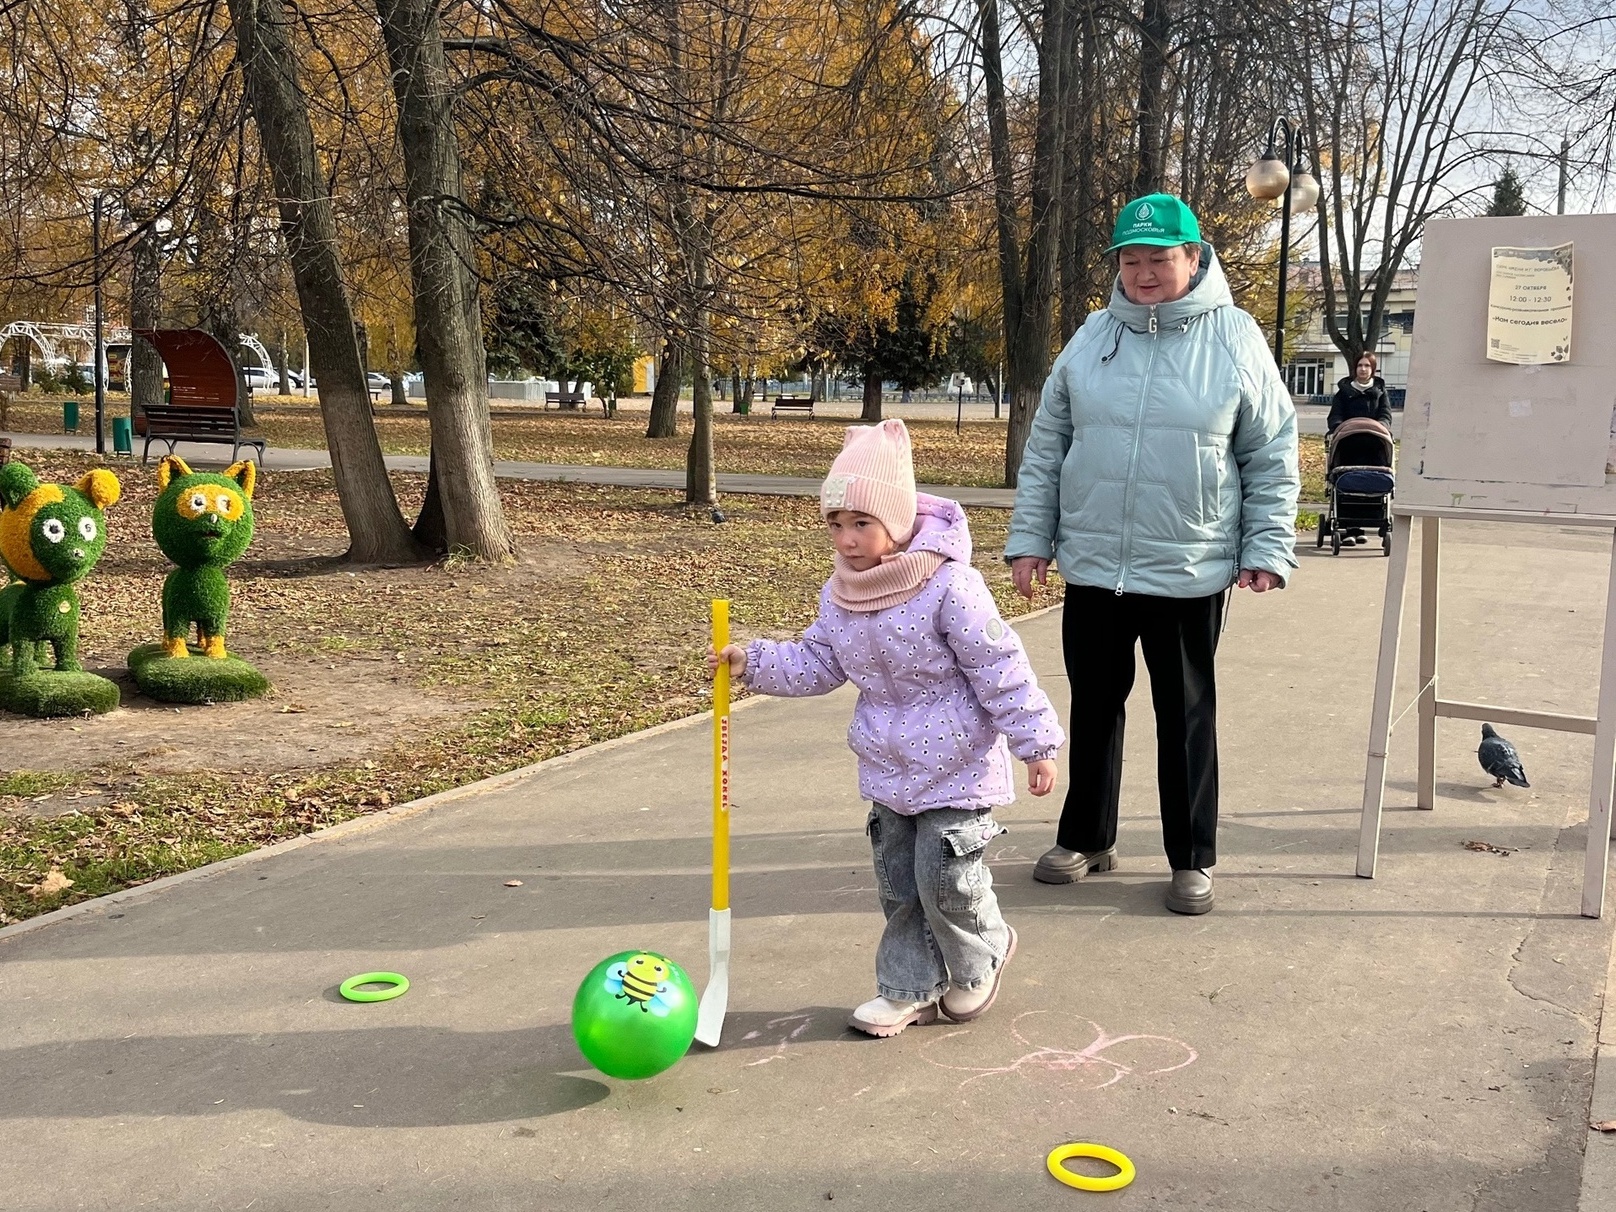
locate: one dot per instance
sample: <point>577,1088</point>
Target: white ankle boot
<point>881,1016</point>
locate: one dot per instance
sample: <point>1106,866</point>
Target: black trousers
<point>1180,638</point>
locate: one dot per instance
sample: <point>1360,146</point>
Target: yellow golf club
<point>715,998</point>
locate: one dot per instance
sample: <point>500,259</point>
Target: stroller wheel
<point>1335,541</point>
<point>1319,538</point>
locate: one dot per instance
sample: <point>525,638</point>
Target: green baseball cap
<point>1158,219</point>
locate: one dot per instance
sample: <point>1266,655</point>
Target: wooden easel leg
<point>1430,565</point>
<point>1597,860</point>
<point>1380,717</point>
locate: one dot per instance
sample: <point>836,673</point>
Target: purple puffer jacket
<point>942,682</point>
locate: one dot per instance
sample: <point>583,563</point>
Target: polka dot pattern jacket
<point>946,693</point>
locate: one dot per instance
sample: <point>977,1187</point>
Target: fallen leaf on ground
<point>1604,1125</point>
<point>513,883</point>
<point>52,884</point>
<point>1489,848</point>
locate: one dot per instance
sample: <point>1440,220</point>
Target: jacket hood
<point>1209,290</point>
<point>940,526</point>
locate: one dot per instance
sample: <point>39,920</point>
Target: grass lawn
<point>792,447</point>
<point>390,683</point>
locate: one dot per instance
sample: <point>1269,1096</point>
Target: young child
<point>942,683</point>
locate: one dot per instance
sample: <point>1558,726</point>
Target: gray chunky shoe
<point>1062,866</point>
<point>1190,892</point>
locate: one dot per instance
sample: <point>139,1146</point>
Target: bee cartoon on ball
<point>641,981</point>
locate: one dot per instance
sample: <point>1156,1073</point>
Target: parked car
<point>261,378</point>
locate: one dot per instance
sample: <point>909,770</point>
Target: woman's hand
<point>1024,570</point>
<point>734,654</point>
<point>1041,777</point>
<point>1258,580</point>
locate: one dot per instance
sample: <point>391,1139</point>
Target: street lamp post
<point>100,334</point>
<point>1272,176</point>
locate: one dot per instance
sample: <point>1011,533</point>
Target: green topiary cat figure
<point>51,535</point>
<point>203,521</point>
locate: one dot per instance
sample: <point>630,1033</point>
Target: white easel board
<point>1487,440</point>
<point>1486,435</point>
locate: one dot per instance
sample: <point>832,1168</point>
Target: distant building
<point>1314,366</point>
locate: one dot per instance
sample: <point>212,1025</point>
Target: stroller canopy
<point>1361,442</point>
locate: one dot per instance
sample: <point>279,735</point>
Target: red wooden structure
<point>200,372</point>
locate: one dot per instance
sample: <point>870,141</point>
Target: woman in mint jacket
<point>1161,471</point>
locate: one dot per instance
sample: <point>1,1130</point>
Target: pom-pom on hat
<point>874,474</point>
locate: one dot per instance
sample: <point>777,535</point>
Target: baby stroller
<point>1358,471</point>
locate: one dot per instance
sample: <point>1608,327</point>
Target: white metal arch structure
<point>52,339</point>
<point>251,341</point>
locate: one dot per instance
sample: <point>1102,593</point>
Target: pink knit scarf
<point>896,579</point>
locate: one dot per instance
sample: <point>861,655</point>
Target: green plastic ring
<point>350,987</point>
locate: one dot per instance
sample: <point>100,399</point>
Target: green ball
<point>634,1015</point>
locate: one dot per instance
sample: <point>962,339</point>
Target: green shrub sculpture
<point>203,521</point>
<point>51,536</point>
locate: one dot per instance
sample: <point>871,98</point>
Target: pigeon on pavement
<point>1499,759</point>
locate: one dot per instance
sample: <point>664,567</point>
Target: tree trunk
<point>283,372</point>
<point>395,380</point>
<point>269,64</point>
<point>448,313</point>
<point>1026,275</point>
<point>665,395</point>
<point>430,528</point>
<point>701,475</point>
<point>872,394</point>
<point>751,382</point>
<point>25,365</point>
<point>1078,201</point>
<point>737,404</point>
<point>1155,27</point>
<point>145,307</point>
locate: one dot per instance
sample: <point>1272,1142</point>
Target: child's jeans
<point>943,920</point>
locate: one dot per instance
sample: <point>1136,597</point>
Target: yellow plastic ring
<point>1115,1182</point>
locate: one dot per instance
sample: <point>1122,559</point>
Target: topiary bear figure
<point>51,535</point>
<point>203,521</point>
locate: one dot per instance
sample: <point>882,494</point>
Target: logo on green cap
<point>1159,219</point>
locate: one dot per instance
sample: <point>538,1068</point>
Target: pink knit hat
<point>874,474</point>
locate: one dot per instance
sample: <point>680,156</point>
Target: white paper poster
<point>1529,306</point>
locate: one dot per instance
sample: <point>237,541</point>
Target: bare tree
<point>269,64</point>
<point>443,272</point>
<point>1394,95</point>
<point>1026,264</point>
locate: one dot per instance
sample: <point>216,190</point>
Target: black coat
<point>1349,402</point>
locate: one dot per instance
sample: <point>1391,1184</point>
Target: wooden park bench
<point>218,424</point>
<point>569,400</point>
<point>792,404</point>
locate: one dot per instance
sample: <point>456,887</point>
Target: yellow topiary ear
<point>168,467</point>
<point>244,473</point>
<point>101,486</point>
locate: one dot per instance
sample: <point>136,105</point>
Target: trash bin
<point>123,441</point>
<point>70,416</point>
